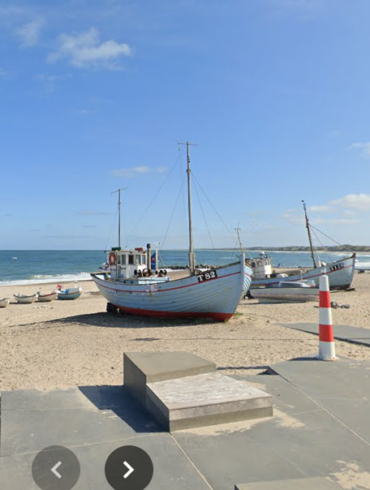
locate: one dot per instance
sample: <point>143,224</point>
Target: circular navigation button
<point>129,468</point>
<point>56,468</point>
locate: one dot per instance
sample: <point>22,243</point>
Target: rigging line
<point>324,247</point>
<point>174,209</point>
<point>327,236</point>
<point>156,194</point>
<point>215,210</point>
<point>204,217</point>
<point>111,230</point>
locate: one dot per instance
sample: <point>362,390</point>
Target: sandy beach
<point>71,343</point>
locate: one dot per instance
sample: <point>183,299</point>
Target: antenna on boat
<point>309,234</point>
<point>239,239</point>
<point>119,213</point>
<point>191,246</point>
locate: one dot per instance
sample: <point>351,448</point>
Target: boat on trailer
<point>133,286</point>
<point>340,272</point>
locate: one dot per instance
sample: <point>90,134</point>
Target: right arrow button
<point>130,469</point>
<point>139,468</point>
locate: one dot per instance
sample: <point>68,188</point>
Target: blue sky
<point>95,96</point>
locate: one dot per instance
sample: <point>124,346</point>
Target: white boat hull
<point>4,302</point>
<point>207,295</point>
<point>340,274</point>
<point>25,299</point>
<point>43,298</point>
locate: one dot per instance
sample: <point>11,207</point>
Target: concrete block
<point>205,399</point>
<point>319,483</point>
<point>140,368</point>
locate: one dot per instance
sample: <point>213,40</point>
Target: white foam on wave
<point>46,279</point>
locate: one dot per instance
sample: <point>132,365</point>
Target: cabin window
<point>123,259</point>
<point>131,260</point>
<point>137,259</point>
<point>118,259</point>
<point>143,259</point>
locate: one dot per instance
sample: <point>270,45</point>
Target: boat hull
<point>25,299</point>
<point>69,296</point>
<point>285,295</point>
<point>43,298</point>
<point>4,302</point>
<point>215,297</point>
<point>340,274</point>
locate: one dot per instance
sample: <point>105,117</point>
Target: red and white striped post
<point>326,333</point>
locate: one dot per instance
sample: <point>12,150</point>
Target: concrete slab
<point>172,469</point>
<point>311,444</point>
<point>347,333</point>
<point>296,484</point>
<point>29,430</point>
<point>342,388</point>
<point>206,399</point>
<point>141,368</point>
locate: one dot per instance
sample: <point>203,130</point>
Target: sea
<point>20,267</point>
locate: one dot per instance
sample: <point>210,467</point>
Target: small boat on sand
<point>287,292</point>
<point>25,299</point>
<point>47,297</point>
<point>70,293</point>
<point>4,302</point>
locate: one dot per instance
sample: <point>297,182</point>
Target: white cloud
<point>30,33</point>
<point>359,202</point>
<point>130,172</point>
<point>336,221</point>
<point>85,50</point>
<point>364,146</point>
<point>320,209</point>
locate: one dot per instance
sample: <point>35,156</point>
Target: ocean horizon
<point>22,267</point>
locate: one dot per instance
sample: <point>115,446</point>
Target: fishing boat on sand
<point>69,294</point>
<point>340,272</point>
<point>134,287</point>
<point>43,298</point>
<point>4,302</point>
<point>25,299</point>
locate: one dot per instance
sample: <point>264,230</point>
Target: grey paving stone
<point>172,469</point>
<point>34,429</point>
<point>341,387</point>
<point>311,444</point>
<point>206,399</point>
<point>41,400</point>
<point>141,368</point>
<point>286,398</point>
<point>296,484</point>
<point>341,332</point>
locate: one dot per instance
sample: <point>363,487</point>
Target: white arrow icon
<point>130,469</point>
<point>54,470</point>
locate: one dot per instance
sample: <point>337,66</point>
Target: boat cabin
<point>133,264</point>
<point>261,265</point>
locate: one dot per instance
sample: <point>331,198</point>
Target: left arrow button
<point>56,467</point>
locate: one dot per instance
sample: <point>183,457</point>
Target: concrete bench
<point>141,368</point>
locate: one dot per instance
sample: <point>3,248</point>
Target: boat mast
<point>119,214</point>
<point>191,245</point>
<point>309,235</point>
